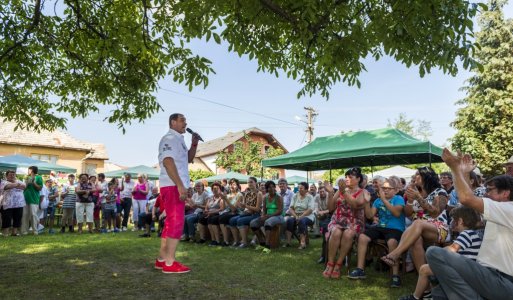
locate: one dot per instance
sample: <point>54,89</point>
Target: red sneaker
<point>159,264</point>
<point>175,268</point>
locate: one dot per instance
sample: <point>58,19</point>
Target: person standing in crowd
<point>127,185</point>
<point>104,187</point>
<point>52,205</point>
<point>446,181</point>
<point>491,276</point>
<point>96,193</point>
<point>44,193</point>
<point>85,203</point>
<point>140,195</point>
<point>13,201</point>
<point>34,184</point>
<point>68,199</point>
<point>174,158</point>
<point>109,208</point>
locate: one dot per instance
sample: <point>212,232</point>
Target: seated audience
<point>231,210</point>
<point>214,206</point>
<point>322,217</point>
<point>251,204</point>
<point>300,215</point>
<point>198,202</point>
<point>390,227</point>
<point>271,215</point>
<point>426,203</point>
<point>491,276</point>
<point>347,220</point>
<point>465,221</point>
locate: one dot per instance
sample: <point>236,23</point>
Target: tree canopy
<point>247,155</point>
<point>484,123</point>
<point>77,57</point>
<point>420,129</point>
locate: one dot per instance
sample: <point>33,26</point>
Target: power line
<point>229,106</point>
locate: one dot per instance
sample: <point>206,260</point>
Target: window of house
<point>90,169</point>
<point>45,157</point>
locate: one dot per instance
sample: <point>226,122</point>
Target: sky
<point>269,103</point>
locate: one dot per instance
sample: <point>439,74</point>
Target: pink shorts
<point>175,208</point>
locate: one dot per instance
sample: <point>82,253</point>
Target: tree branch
<point>279,11</point>
<point>80,18</point>
<point>34,24</point>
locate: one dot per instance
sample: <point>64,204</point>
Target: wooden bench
<point>274,239</point>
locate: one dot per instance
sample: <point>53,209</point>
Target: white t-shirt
<point>173,145</point>
<point>300,205</point>
<point>45,193</point>
<point>497,246</point>
<point>127,188</point>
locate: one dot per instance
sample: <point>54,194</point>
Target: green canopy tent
<point>378,147</point>
<point>19,161</point>
<point>298,179</point>
<point>241,177</point>
<point>152,173</point>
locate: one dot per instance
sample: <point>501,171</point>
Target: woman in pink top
<point>139,194</point>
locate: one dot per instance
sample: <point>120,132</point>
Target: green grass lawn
<point>114,266</point>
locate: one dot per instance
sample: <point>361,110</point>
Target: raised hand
<point>328,187</point>
<point>467,164</point>
<point>452,160</point>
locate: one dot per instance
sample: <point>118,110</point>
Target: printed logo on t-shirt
<point>166,147</point>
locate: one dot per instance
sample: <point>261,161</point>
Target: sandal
<point>329,270</point>
<point>389,260</point>
<point>336,271</point>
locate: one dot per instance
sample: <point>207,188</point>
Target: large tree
<point>420,128</point>
<point>75,57</point>
<point>484,123</point>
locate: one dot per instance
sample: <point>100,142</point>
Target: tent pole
<point>331,180</point>
<point>430,154</point>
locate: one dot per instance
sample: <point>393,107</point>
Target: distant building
<point>207,152</point>
<point>54,147</point>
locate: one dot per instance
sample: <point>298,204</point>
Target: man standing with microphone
<point>174,158</point>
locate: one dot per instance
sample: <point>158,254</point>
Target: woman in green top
<point>273,206</point>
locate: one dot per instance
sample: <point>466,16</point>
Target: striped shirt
<point>70,198</point>
<point>469,242</point>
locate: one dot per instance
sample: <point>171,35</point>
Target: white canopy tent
<point>399,171</point>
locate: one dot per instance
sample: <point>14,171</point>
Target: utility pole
<point>310,116</point>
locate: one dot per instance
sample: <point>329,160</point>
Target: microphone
<point>194,133</point>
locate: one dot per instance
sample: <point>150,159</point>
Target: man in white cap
<point>509,166</point>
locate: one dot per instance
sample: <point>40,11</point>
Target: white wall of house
<point>210,162</point>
